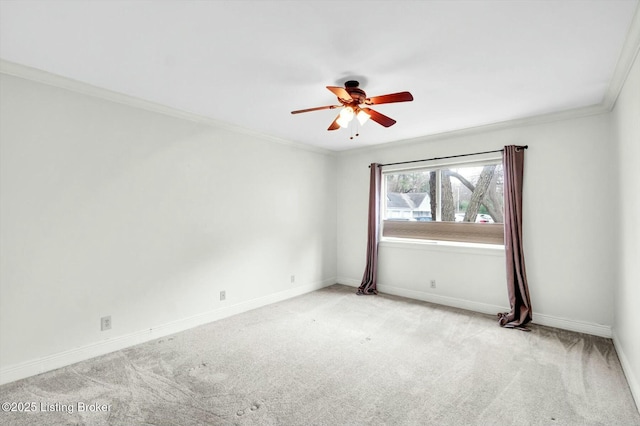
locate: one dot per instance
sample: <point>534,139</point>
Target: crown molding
<point>50,79</point>
<point>625,62</point>
<point>485,128</point>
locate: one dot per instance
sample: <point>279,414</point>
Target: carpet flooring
<point>333,358</point>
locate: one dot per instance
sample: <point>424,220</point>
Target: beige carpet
<point>334,358</point>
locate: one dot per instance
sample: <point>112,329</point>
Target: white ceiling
<point>249,63</point>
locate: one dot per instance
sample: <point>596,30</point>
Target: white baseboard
<point>541,319</point>
<point>634,384</point>
<point>31,368</point>
<point>348,281</point>
<point>443,300</point>
<point>572,325</point>
<point>430,297</point>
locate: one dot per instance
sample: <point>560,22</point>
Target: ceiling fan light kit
<point>351,97</point>
<point>362,117</point>
<point>345,116</point>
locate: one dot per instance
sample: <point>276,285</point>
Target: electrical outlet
<point>293,279</point>
<point>433,283</point>
<point>105,323</point>
<point>223,295</point>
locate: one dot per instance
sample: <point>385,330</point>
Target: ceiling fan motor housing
<point>355,92</point>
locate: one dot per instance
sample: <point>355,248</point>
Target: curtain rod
<point>450,156</point>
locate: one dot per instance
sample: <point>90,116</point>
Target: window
<point>461,202</point>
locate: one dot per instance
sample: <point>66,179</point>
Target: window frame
<point>441,233</point>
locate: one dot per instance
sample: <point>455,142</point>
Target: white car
<point>480,218</point>
<point>484,218</point>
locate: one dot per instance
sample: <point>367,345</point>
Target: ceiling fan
<point>351,97</point>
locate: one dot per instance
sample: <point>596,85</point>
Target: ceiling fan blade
<point>380,118</point>
<point>388,99</point>
<point>334,125</point>
<point>316,109</point>
<point>340,93</point>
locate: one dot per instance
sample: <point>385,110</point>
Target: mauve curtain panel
<point>369,279</point>
<point>517,287</point>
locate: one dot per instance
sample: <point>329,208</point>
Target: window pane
<point>408,197</point>
<point>472,194</point>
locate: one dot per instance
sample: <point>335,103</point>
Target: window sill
<point>448,246</point>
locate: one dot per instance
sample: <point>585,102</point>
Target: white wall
<point>571,261</point>
<point>108,209</point>
<point>626,119</point>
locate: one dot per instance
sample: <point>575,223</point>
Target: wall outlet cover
<point>105,323</point>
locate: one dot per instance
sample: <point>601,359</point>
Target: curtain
<point>517,287</point>
<point>369,279</point>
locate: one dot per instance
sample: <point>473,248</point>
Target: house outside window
<point>455,202</point>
